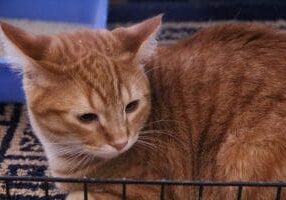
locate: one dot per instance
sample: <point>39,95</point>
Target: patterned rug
<point>21,154</point>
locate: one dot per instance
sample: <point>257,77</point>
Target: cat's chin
<point>107,152</point>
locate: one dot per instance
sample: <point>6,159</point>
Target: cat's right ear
<point>140,38</point>
<point>23,49</point>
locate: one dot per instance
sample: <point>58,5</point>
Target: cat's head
<point>86,91</point>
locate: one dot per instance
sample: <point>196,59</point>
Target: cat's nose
<point>119,146</point>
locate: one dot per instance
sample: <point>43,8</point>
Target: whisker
<point>151,146</point>
<point>156,132</point>
<point>76,164</point>
<point>146,144</point>
<point>154,138</point>
<point>163,120</point>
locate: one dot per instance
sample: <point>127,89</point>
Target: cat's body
<point>227,86</point>
<point>218,111</point>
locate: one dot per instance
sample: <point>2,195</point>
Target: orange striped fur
<point>212,106</point>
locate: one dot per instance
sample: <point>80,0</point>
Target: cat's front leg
<point>79,195</point>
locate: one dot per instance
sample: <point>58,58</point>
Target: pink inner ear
<point>31,45</point>
<point>133,37</point>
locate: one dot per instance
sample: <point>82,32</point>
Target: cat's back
<point>240,39</point>
<point>224,58</point>
<point>225,54</point>
<point>242,34</point>
<point>231,51</point>
<point>227,84</point>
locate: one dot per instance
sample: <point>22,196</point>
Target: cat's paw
<point>78,195</point>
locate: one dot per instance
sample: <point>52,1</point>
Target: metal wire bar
<point>239,192</point>
<point>7,189</point>
<point>123,191</point>
<point>143,182</point>
<point>201,188</point>
<point>85,195</point>
<point>46,187</point>
<point>162,192</point>
<point>124,182</point>
<point>278,193</point>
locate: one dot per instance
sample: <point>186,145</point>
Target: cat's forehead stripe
<point>84,42</point>
<point>125,94</point>
<point>105,42</point>
<point>119,82</point>
<point>109,88</point>
<point>95,100</point>
<point>95,67</point>
<point>100,95</point>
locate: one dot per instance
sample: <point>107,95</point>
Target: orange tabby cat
<point>212,106</point>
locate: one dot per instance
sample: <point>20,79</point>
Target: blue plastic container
<point>89,12</point>
<point>10,84</point>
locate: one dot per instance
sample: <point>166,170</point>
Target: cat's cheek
<point>132,140</point>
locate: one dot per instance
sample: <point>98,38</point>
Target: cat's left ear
<point>141,37</point>
<point>22,48</point>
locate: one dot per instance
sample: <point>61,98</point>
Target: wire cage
<point>126,182</point>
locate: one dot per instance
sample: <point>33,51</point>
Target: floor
<point>197,10</point>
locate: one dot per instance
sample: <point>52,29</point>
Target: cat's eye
<point>88,117</point>
<point>132,106</point>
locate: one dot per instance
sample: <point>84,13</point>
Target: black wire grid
<point>125,182</point>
